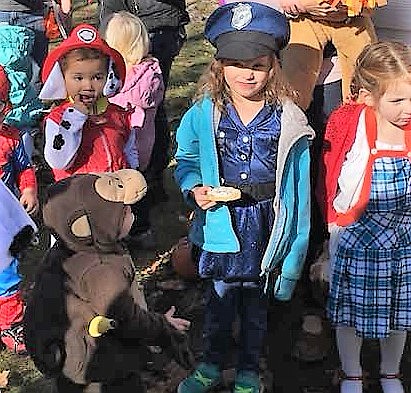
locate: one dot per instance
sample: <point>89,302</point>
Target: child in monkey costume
<point>84,324</point>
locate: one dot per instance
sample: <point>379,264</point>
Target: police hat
<point>246,30</point>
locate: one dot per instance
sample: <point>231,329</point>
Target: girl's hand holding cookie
<point>201,197</point>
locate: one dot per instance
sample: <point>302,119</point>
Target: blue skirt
<point>252,223</point>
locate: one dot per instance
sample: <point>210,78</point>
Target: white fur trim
<point>13,218</point>
<point>69,132</point>
<point>54,87</point>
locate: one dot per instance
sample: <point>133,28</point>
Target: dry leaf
<point>4,380</point>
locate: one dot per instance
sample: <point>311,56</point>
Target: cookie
<point>224,194</point>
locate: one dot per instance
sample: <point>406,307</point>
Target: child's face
<point>247,78</point>
<point>127,222</point>
<point>395,104</point>
<point>85,79</point>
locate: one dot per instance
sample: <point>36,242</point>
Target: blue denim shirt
<point>248,153</point>
<point>197,163</point>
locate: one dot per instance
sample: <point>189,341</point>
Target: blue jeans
<point>34,21</point>
<point>250,305</point>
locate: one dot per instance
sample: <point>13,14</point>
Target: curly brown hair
<point>212,83</point>
<point>378,65</point>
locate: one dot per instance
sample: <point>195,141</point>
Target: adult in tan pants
<point>302,59</point>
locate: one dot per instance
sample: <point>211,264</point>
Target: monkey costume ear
<point>81,227</point>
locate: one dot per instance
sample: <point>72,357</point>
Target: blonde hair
<point>127,34</point>
<point>212,83</point>
<point>380,64</point>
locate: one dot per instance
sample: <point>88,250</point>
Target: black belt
<point>256,192</point>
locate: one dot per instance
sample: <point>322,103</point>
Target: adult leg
<point>35,21</point>
<point>302,58</point>
<point>349,41</point>
<point>165,46</point>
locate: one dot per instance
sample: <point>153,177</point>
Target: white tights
<point>349,349</point>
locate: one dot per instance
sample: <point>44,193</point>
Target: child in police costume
<point>244,131</point>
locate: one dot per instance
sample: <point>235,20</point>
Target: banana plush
<point>100,325</point>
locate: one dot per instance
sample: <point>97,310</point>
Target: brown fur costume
<point>87,274</point>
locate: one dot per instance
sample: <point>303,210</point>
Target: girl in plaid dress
<point>365,192</point>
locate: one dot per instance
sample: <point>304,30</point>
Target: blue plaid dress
<point>371,283</point>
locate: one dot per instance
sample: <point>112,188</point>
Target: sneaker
<point>204,379</point>
<point>247,382</point>
<point>13,339</point>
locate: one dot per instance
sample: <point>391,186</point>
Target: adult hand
<point>320,9</point>
<point>313,7</point>
<point>29,200</point>
<point>201,198</point>
<point>293,7</point>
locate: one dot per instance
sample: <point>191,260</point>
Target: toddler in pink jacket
<point>142,92</point>
<point>143,89</point>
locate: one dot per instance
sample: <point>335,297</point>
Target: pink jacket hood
<point>143,89</point>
